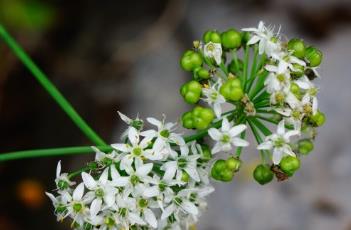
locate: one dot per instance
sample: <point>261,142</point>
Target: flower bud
<point>191,60</point>
<point>233,164</point>
<point>318,119</point>
<point>289,165</point>
<point>212,36</point>
<point>314,56</point>
<point>231,39</point>
<point>201,74</point>
<point>305,146</point>
<point>263,174</point>
<point>191,92</point>
<point>231,90</point>
<point>245,37</point>
<point>217,168</point>
<point>297,46</point>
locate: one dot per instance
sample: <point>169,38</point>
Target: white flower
<point>266,38</point>
<point>105,158</point>
<point>60,206</point>
<point>214,98</point>
<point>137,123</point>
<point>180,203</point>
<point>184,162</point>
<point>213,50</point>
<point>62,181</point>
<point>102,190</point>
<point>136,149</point>
<point>279,143</point>
<point>164,137</point>
<point>278,79</point>
<point>226,138</point>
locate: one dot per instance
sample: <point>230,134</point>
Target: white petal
<point>216,148</point>
<point>265,145</point>
<point>193,173</point>
<point>291,133</point>
<point>189,207</point>
<point>171,168</point>
<point>150,218</point>
<point>237,130</point>
<point>240,142</point>
<point>135,219</point>
<point>151,191</point>
<point>149,134</point>
<point>215,134</point>
<point>124,118</point>
<point>277,156</point>
<point>89,181</point>
<point>104,176</point>
<point>95,207</point>
<point>109,198</point>
<point>225,125</point>
<point>120,181</point>
<point>121,147</point>
<point>217,109</point>
<point>58,169</point>
<point>168,211</point>
<point>114,172</point>
<point>155,122</point>
<point>78,192</point>
<point>144,170</point>
<point>52,197</point>
<point>281,127</point>
<point>133,136</point>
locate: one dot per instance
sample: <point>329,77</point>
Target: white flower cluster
<point>280,84</point>
<point>152,181</point>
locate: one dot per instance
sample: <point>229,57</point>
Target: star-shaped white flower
<point>226,137</point>
<point>213,50</point>
<point>214,98</point>
<point>62,181</point>
<point>279,143</point>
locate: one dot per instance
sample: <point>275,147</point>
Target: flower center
<point>62,184</point>
<point>214,96</point>
<point>143,203</point>
<point>77,207</point>
<point>307,109</point>
<point>279,142</point>
<point>165,133</point>
<point>210,47</point>
<point>122,212</point>
<point>313,91</point>
<point>134,179</point>
<point>182,162</point>
<point>178,200</point>
<point>281,77</point>
<point>99,192</point>
<point>225,138</point>
<point>162,186</point>
<point>137,151</point>
<point>279,97</point>
<point>296,114</point>
<point>109,221</point>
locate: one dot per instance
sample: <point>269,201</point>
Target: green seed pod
<point>314,56</point>
<point>231,90</point>
<point>191,92</point>
<point>295,89</point>
<point>289,165</point>
<point>212,36</point>
<point>318,119</point>
<point>297,46</point>
<point>187,120</point>
<point>217,168</point>
<point>263,174</point>
<point>305,146</point>
<point>233,164</point>
<point>226,175</point>
<point>231,39</point>
<point>191,60</point>
<point>201,74</point>
<point>198,118</point>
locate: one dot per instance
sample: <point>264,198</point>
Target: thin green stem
<point>261,126</point>
<point>253,70</point>
<point>246,65</point>
<point>267,119</point>
<point>65,151</point>
<point>236,63</point>
<point>261,77</point>
<point>50,88</point>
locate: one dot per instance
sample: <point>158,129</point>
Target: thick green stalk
<point>50,88</point>
<point>50,152</point>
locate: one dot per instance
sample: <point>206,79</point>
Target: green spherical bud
<point>314,56</point>
<point>187,120</point>
<point>202,73</point>
<point>226,175</point>
<point>231,90</point>
<point>289,165</point>
<point>191,92</point>
<point>217,168</point>
<point>233,164</point>
<point>318,119</point>
<point>231,39</point>
<point>263,174</point>
<point>305,146</point>
<point>207,114</point>
<point>295,89</point>
<point>297,46</point>
<point>212,36</point>
<point>191,60</point>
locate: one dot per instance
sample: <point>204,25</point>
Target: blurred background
<point>123,55</point>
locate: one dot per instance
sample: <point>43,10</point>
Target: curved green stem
<point>50,88</point>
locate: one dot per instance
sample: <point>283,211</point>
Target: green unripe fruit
<point>231,89</point>
<point>289,165</point>
<point>233,164</point>
<point>217,168</point>
<point>206,153</point>
<point>187,120</point>
<point>314,56</point>
<point>297,46</point>
<point>295,89</point>
<point>245,37</point>
<point>201,74</point>
<point>263,174</point>
<point>318,119</point>
<point>212,36</point>
<point>305,146</point>
<point>191,60</point>
<point>226,175</point>
<point>231,39</point>
<point>191,91</point>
